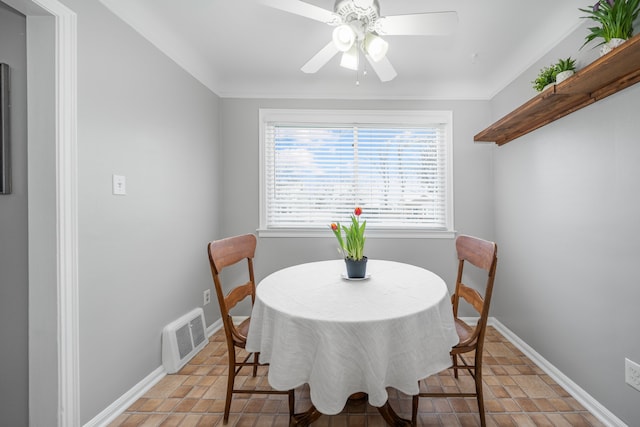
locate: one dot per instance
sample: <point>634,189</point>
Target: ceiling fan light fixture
<point>344,37</point>
<point>375,46</point>
<point>358,27</point>
<point>350,59</point>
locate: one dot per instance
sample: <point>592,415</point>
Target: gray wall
<point>14,285</point>
<point>43,291</point>
<point>142,257</point>
<point>473,181</point>
<point>566,215</point>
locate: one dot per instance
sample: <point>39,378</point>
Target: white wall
<point>473,181</point>
<point>14,284</point>
<point>566,215</point>
<point>142,257</point>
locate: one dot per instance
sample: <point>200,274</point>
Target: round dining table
<point>342,336</point>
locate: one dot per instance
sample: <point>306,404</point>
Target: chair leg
<point>478,379</point>
<point>256,361</point>
<point>292,404</point>
<point>414,408</point>
<point>454,359</point>
<point>480,398</point>
<point>231,377</point>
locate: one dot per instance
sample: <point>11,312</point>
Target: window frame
<point>383,117</point>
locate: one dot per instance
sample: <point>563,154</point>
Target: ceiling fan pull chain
<point>358,71</point>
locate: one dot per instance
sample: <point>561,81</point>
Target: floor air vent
<point>182,339</point>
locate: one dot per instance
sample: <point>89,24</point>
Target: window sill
<point>376,234</point>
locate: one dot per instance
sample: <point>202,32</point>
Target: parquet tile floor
<point>517,393</point>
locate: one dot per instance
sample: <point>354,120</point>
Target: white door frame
<point>66,222</point>
<point>67,210</point>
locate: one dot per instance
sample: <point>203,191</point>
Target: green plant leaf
<point>614,20</point>
<point>353,242</point>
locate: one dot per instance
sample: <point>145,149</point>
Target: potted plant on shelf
<point>352,245</point>
<point>615,22</point>
<point>565,69</point>
<point>546,78</point>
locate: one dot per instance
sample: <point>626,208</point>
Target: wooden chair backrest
<point>224,253</point>
<point>484,255</point>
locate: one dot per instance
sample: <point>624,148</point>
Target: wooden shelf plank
<point>605,76</point>
<point>605,70</point>
<point>616,86</point>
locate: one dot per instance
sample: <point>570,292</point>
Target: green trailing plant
<point>614,18</point>
<point>546,76</point>
<point>568,64</point>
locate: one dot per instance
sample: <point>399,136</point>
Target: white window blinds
<point>317,172</point>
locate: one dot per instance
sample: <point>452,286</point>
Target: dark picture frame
<point>5,152</point>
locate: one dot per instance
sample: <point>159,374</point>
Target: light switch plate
<point>119,185</point>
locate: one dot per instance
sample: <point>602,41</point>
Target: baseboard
<point>214,327</point>
<point>592,405</point>
<point>119,406</point>
<point>127,399</point>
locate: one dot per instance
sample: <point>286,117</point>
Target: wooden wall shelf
<point>605,76</point>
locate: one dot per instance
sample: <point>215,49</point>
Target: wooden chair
<point>483,255</point>
<point>224,253</point>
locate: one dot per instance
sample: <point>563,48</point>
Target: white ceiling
<point>242,48</point>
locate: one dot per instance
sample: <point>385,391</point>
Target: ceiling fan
<point>358,29</point>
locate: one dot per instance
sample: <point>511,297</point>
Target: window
<point>317,165</point>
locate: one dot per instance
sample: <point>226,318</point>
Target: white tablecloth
<point>342,337</point>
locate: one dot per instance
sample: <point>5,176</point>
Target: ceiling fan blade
<point>301,8</point>
<point>320,58</point>
<point>383,69</point>
<point>419,24</point>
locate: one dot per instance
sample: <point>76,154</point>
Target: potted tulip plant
<point>614,20</point>
<point>352,245</point>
